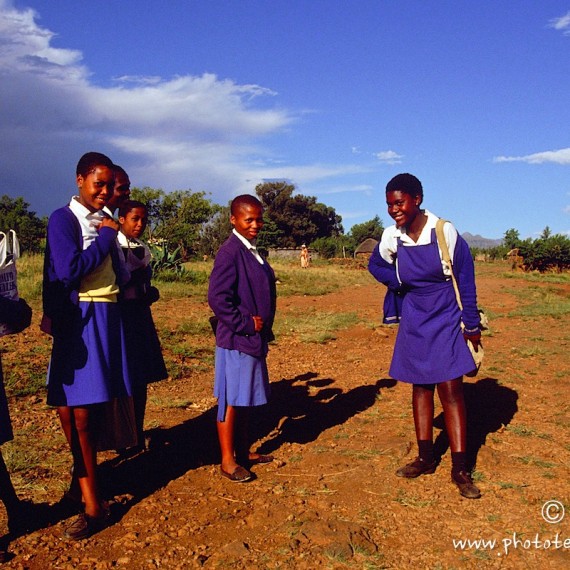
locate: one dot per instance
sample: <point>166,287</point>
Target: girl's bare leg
<point>226,436</point>
<point>423,407</point>
<point>77,428</point>
<point>454,412</point>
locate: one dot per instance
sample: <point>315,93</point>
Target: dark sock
<point>458,461</point>
<point>425,448</point>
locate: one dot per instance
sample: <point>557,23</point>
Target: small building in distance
<point>366,248</point>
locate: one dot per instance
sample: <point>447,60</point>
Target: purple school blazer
<point>239,288</point>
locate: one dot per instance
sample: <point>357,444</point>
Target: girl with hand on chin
<point>88,365</point>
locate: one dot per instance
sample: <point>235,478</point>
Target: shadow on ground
<point>301,408</point>
<point>490,407</point>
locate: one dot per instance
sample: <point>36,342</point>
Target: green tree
<point>177,217</point>
<point>294,220</point>
<point>546,233</point>
<point>337,246</point>
<point>511,239</point>
<point>270,235</point>
<point>371,229</point>
<point>546,253</point>
<point>214,232</point>
<point>15,215</point>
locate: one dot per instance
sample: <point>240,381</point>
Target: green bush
<point>167,265</point>
<point>546,253</point>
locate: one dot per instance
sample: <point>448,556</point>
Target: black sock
<point>425,448</point>
<point>458,461</point>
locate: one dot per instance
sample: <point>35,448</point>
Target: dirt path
<point>340,428</point>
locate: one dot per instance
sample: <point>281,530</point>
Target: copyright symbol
<point>553,511</point>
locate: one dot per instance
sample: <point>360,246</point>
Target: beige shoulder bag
<point>476,354</point>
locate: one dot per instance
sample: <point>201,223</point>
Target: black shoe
<point>416,468</point>
<point>465,485</point>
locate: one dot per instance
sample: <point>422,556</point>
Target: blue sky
<point>334,96</point>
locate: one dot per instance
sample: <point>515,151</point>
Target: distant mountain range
<point>480,242</point>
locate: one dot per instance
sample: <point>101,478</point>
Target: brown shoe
<point>239,475</point>
<point>85,525</point>
<point>416,468</point>
<point>465,485</point>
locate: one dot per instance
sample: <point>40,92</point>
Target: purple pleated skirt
<point>89,365</point>
<point>240,380</point>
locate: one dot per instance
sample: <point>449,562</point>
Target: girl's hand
<point>110,223</point>
<point>258,322</point>
<point>475,339</point>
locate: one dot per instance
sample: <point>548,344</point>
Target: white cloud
<point>561,156</point>
<point>562,23</point>
<point>366,189</point>
<point>187,132</point>
<point>388,157</point>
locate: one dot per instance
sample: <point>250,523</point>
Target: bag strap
<point>447,258</point>
<point>9,245</point>
<point>3,248</point>
<point>15,245</point>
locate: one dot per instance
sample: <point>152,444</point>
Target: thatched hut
<point>366,248</point>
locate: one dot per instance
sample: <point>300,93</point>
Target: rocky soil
<point>339,427</point>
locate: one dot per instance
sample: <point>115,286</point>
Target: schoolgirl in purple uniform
<point>88,365</point>
<point>242,295</point>
<point>146,363</point>
<point>430,350</point>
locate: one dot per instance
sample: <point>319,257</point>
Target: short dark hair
<point>406,183</point>
<point>91,160</point>
<point>129,205</point>
<point>243,199</point>
<point>117,168</point>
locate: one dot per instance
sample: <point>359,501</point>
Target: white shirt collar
<point>250,246</point>
<point>82,212</point>
<point>243,240</point>
<point>425,236</point>
<point>108,212</point>
<point>128,242</point>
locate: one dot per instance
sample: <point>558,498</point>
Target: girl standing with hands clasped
<point>146,363</point>
<point>242,295</point>
<point>430,351</point>
<point>88,365</point>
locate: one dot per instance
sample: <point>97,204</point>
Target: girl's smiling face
<point>403,207</point>
<point>96,188</point>
<point>248,221</point>
<point>134,223</point>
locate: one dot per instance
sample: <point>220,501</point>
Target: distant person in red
<point>242,295</point>
<point>430,351</point>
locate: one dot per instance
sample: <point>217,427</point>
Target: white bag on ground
<point>9,253</point>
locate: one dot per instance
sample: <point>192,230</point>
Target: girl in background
<point>88,364</point>
<point>146,363</point>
